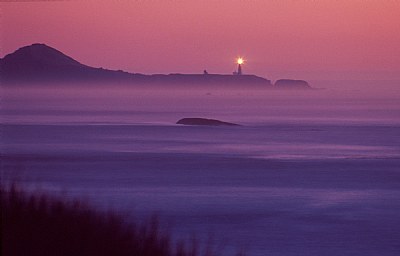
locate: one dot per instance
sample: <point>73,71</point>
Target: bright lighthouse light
<point>240,60</point>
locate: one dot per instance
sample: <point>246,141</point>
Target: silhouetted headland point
<point>204,121</point>
<point>39,63</point>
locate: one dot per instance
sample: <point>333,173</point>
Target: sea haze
<point>313,172</point>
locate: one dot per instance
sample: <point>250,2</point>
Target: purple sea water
<point>307,173</point>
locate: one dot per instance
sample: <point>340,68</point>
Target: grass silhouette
<point>41,225</point>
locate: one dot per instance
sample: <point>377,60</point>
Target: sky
<point>303,39</point>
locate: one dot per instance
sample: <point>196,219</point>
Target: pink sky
<point>341,39</point>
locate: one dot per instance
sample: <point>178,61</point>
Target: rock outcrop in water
<point>291,84</point>
<point>204,121</point>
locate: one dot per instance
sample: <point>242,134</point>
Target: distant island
<point>39,63</point>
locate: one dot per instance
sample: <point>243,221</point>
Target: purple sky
<point>278,39</point>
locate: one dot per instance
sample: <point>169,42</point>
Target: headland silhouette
<point>39,63</point>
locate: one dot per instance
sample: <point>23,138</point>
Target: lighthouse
<point>239,61</point>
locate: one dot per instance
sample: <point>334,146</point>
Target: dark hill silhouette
<point>39,63</point>
<point>41,54</point>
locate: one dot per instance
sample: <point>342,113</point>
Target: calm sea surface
<point>306,173</point>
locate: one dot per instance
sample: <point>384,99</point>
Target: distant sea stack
<point>39,63</point>
<point>291,84</point>
<point>204,121</point>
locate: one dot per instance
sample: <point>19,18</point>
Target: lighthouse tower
<point>239,61</point>
<point>239,72</point>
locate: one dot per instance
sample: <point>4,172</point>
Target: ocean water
<point>307,172</point>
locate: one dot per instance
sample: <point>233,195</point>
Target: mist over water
<point>333,102</point>
<point>313,172</point>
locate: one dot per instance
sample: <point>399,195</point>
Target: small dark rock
<point>204,121</point>
<point>291,84</point>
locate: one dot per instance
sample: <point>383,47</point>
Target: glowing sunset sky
<point>323,39</point>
